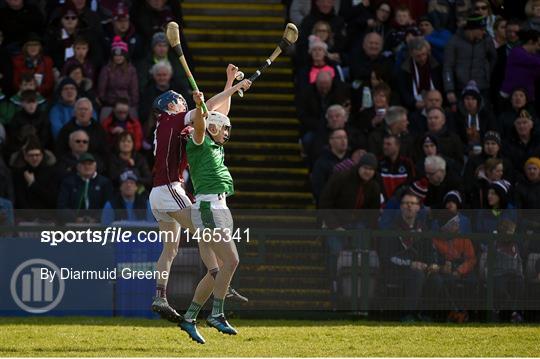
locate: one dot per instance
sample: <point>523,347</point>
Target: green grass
<point>134,337</point>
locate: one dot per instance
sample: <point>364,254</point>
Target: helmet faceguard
<point>219,121</point>
<point>161,103</point>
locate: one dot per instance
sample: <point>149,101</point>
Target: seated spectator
<point>352,190</point>
<point>17,19</point>
<point>62,110</point>
<point>527,196</point>
<point>78,145</point>
<point>160,53</point>
<point>28,83</point>
<point>453,203</point>
<point>420,73</point>
<point>523,142</point>
<point>127,204</point>
<point>126,157</point>
<point>440,181</point>
<point>395,169</point>
<point>454,274</point>
<point>120,121</point>
<point>532,10</point>
<point>492,170</point>
<point>469,55</point>
<point>322,169</point>
<point>81,58</point>
<point>29,121</point>
<point>518,101</point>
<point>84,192</point>
<point>82,120</point>
<point>449,143</point>
<point>372,118</point>
<point>403,24</point>
<point>395,124</point>
<point>404,260</point>
<point>429,146</point>
<point>437,37</point>
<point>120,25</point>
<point>118,79</point>
<point>33,61</point>
<point>491,148</point>
<point>523,65</point>
<point>313,102</point>
<point>508,278</point>
<point>85,86</point>
<point>473,118</point>
<point>362,62</point>
<point>319,62</point>
<point>496,209</point>
<point>418,119</point>
<point>36,183</point>
<point>7,190</point>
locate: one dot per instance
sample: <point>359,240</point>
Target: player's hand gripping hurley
<point>290,35</point>
<point>173,36</point>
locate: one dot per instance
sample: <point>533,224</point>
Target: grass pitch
<point>86,337</point>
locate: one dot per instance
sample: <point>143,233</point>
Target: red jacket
<point>44,67</point>
<point>456,249</point>
<point>131,125</point>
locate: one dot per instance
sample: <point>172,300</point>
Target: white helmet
<point>219,120</point>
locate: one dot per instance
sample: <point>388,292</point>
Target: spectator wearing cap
<point>118,79</point>
<point>33,61</point>
<point>449,142</point>
<point>523,142</point>
<point>396,124</point>
<point>437,37</point>
<point>527,195</point>
<point>394,169</point>
<point>497,207</point>
<point>36,184</point>
<point>491,148</point>
<point>519,100</point>
<point>81,48</point>
<point>121,26</point>
<point>418,74</point>
<point>160,52</point>
<point>120,121</point>
<point>473,118</point>
<point>335,153</point>
<point>127,204</point>
<point>469,55</point>
<point>82,120</point>
<point>318,62</point>
<point>440,181</point>
<point>29,121</point>
<point>523,65</point>
<point>453,203</point>
<point>17,19</point>
<point>84,192</point>
<point>126,157</point>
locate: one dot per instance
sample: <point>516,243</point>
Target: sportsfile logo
<point>33,294</point>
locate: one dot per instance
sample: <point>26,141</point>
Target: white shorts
<point>211,211</point>
<point>168,198</point>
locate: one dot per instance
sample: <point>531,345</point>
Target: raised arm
<point>199,123</point>
<point>231,75</point>
<point>218,100</point>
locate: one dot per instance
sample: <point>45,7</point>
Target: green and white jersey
<point>207,167</point>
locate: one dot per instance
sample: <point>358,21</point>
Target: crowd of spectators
<point>77,80</point>
<point>438,120</point>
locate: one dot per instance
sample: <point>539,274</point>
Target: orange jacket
<point>456,249</point>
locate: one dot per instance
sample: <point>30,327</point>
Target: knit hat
<point>120,11</point>
<point>159,38</point>
<point>369,160</point>
<point>453,196</point>
<point>532,161</point>
<point>502,188</point>
<point>68,9</point>
<point>428,138</point>
<point>493,136</point>
<point>118,46</point>
<point>426,18</point>
<point>475,22</point>
<point>128,175</point>
<point>472,90</point>
<point>419,188</point>
<point>315,41</point>
<point>66,81</point>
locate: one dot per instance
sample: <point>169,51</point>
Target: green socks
<point>193,311</point>
<point>217,308</point>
